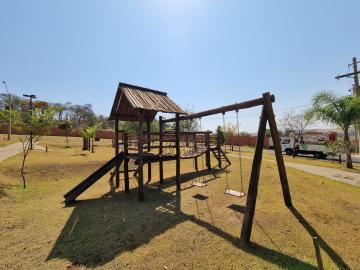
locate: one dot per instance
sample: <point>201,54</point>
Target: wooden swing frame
<point>267,115</point>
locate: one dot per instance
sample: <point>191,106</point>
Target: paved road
<point>351,178</point>
<point>14,149</point>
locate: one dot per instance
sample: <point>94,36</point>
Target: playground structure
<point>138,104</point>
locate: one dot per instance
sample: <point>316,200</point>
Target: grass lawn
<point>169,230</point>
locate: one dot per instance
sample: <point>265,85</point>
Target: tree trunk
<point>22,172</point>
<point>85,146</point>
<point>92,145</point>
<point>347,149</point>
<point>294,146</point>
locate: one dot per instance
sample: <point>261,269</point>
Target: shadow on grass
<point>100,229</point>
<point>325,246</point>
<point>203,176</point>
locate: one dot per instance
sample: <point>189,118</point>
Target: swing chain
<point>240,163</point>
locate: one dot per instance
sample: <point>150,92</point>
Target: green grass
<point>169,230</point>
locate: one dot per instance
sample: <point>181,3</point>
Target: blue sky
<point>203,53</point>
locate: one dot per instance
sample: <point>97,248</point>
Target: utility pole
<point>30,113</point>
<point>356,91</point>
<point>9,127</point>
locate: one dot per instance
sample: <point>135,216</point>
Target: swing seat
<point>199,184</point>
<point>234,193</point>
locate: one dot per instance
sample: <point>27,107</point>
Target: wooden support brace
<point>161,164</point>
<point>277,148</point>
<point>177,133</point>
<point>126,162</point>
<point>254,182</point>
<point>141,157</point>
<point>148,147</point>
<point>117,168</point>
<point>207,143</point>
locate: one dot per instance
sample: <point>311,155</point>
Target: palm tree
<point>342,111</point>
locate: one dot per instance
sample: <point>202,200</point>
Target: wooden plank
<point>148,146</point>
<point>177,130</point>
<point>234,193</point>
<point>126,163</point>
<point>195,148</point>
<point>277,148</point>
<point>254,181</point>
<point>233,107</point>
<point>161,164</point>
<point>219,151</point>
<point>117,169</point>
<point>140,157</point>
<point>207,144</point>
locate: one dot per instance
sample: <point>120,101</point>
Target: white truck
<point>309,144</point>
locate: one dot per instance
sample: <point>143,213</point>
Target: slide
<point>89,181</point>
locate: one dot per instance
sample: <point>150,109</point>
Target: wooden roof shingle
<point>130,99</point>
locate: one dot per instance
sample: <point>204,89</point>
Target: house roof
<point>130,99</point>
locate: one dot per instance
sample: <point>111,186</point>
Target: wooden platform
<point>151,158</point>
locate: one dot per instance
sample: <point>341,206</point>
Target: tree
<point>336,147</point>
<point>244,133</point>
<point>89,133</point>
<point>220,134</point>
<point>342,111</point>
<point>66,126</point>
<point>295,123</point>
<point>36,124</point>
<point>230,132</point>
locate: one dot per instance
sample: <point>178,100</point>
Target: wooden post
<point>161,164</point>
<point>207,144</point>
<point>126,162</point>
<point>141,156</point>
<point>254,181</point>
<point>177,142</point>
<point>218,141</point>
<point>117,167</point>
<point>195,148</point>
<point>277,148</point>
<point>148,137</point>
<point>318,254</point>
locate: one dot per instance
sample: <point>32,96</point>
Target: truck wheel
<point>317,155</point>
<point>288,152</point>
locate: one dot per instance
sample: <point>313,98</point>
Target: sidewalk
<point>351,178</point>
<point>14,149</point>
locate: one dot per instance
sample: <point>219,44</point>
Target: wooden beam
<point>177,134</point>
<point>148,146</point>
<point>218,142</point>
<point>207,154</point>
<point>254,182</point>
<point>161,164</point>
<point>117,168</point>
<point>126,163</point>
<point>195,148</point>
<point>233,107</point>
<point>277,148</point>
<point>141,156</point>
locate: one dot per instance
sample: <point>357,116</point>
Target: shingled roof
<point>130,99</point>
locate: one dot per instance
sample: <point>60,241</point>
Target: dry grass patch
<point>112,230</point>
